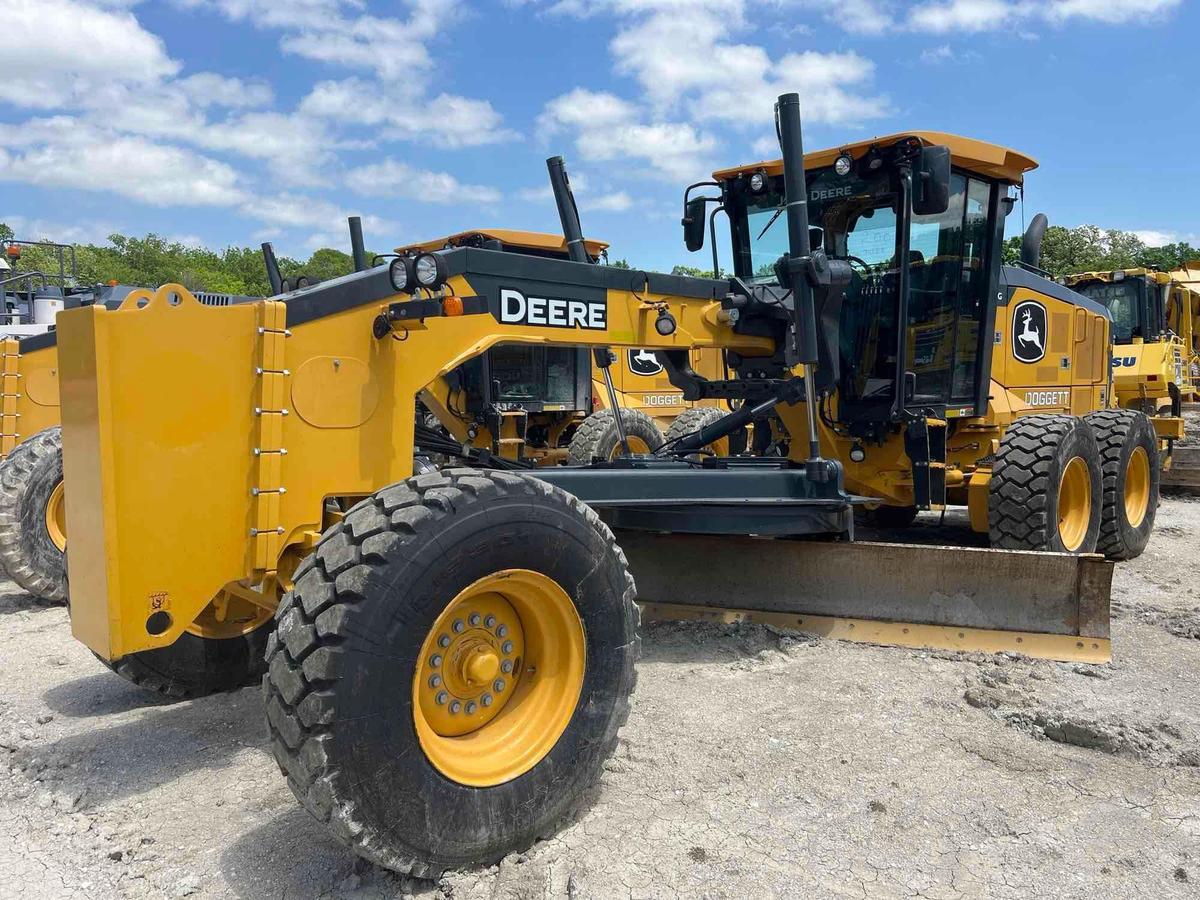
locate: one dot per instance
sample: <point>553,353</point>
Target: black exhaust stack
<point>568,212</point>
<point>273,276</point>
<point>357,249</point>
<point>799,271</point>
<point>1031,243</point>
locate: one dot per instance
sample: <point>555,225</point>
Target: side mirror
<point>693,223</point>
<point>931,182</point>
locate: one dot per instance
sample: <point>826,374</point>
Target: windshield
<point>855,218</point>
<point>1121,298</point>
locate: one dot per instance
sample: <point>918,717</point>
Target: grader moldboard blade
<point>1045,605</point>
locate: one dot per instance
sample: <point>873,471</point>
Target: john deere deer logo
<point>644,362</point>
<point>1029,331</point>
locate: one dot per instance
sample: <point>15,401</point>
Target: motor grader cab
<point>1149,353</point>
<point>944,374</point>
<point>549,405</point>
<point>1184,318</point>
<point>449,656</point>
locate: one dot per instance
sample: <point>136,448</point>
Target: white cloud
<point>1152,238</point>
<point>393,178</point>
<point>210,89</point>
<point>83,231</point>
<point>867,17</point>
<point>605,127</point>
<point>945,16</point>
<point>615,202</point>
<point>57,50</point>
<point>62,152</point>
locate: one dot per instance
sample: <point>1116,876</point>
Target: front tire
<point>32,525</point>
<point>1044,493</point>
<point>371,655</point>
<point>1130,472</point>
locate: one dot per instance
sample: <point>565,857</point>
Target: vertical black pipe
<point>273,276</point>
<point>357,249</point>
<point>568,213</point>
<point>796,200</point>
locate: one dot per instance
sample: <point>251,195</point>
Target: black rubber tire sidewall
<point>374,759</point>
<point>195,666</point>
<point>30,557</point>
<point>1027,477</point>
<point>1119,432</point>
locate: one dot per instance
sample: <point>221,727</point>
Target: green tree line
<point>152,260</point>
<point>1069,251</point>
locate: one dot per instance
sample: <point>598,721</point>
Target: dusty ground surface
<point>755,764</point>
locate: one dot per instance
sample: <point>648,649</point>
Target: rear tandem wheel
<point>1044,493</point>
<point>452,668</point>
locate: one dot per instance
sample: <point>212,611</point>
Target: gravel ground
<point>755,764</point>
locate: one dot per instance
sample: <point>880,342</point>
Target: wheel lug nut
<point>506,666</point>
<point>507,646</point>
<point>486,699</point>
<point>441,698</point>
<point>502,631</point>
<point>435,681</point>
<point>444,641</point>
<point>455,707</point>
<point>471,708</point>
<point>490,622</point>
<point>498,685</point>
<point>458,626</point>
<point>436,660</point>
<point>474,619</point>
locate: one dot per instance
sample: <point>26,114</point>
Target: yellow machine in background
<point>1151,339</point>
<point>1184,317</point>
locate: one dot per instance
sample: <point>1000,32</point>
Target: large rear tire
<point>33,534</point>
<point>1130,472</point>
<point>384,652</point>
<point>695,418</point>
<point>597,437</point>
<point>1044,493</point>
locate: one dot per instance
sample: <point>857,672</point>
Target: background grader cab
<point>551,405</point>
<point>449,656</point>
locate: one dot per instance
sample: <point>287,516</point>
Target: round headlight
<point>400,271</point>
<point>843,164</point>
<point>758,182</point>
<point>430,270</point>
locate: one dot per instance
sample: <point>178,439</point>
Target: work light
<point>758,182</point>
<point>430,270</point>
<point>843,164</point>
<point>400,271</point>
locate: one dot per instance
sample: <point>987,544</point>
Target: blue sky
<point>236,121</point>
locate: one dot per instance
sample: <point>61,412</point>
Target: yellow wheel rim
<point>228,616</point>
<point>1137,487</point>
<point>1074,503</point>
<point>637,447</point>
<point>498,678</point>
<point>56,517</point>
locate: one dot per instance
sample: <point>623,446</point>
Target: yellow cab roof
<point>1189,273</point>
<point>990,160</point>
<point>529,240</point>
<point>1152,274</point>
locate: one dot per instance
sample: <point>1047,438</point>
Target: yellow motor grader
<point>450,655</point>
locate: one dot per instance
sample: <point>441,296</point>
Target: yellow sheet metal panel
<point>159,428</point>
<point>334,392</point>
